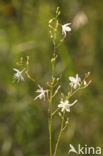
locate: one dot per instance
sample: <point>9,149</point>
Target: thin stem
<point>29,77</point>
<point>50,123</point>
<point>50,105</point>
<point>59,136</point>
<point>55,111</point>
<point>74,92</point>
<point>27,70</point>
<point>51,94</point>
<point>53,61</point>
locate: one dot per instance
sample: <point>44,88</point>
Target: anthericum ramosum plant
<point>57,31</point>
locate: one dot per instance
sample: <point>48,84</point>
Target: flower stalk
<point>50,122</point>
<point>60,133</point>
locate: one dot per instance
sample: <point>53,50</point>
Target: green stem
<point>68,97</point>
<point>50,123</point>
<point>59,136</point>
<point>53,61</point>
<point>55,111</point>
<point>51,97</point>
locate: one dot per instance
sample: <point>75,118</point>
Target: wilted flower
<point>75,81</point>
<point>65,105</point>
<point>65,28</point>
<point>42,93</point>
<point>18,75</point>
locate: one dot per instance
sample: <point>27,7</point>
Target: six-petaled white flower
<point>42,93</point>
<point>65,28</point>
<point>18,75</point>
<point>65,105</point>
<point>75,81</point>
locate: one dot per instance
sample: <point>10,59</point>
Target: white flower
<point>75,81</point>
<point>42,93</point>
<point>85,83</point>
<point>65,28</point>
<point>65,105</point>
<point>18,75</point>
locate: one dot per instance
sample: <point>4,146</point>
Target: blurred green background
<point>23,32</point>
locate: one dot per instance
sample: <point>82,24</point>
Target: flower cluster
<point>54,25</point>
<point>75,83</point>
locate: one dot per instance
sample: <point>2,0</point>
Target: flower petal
<point>16,70</point>
<point>72,79</point>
